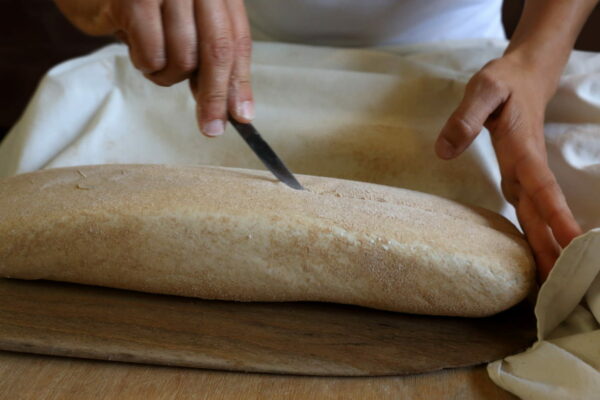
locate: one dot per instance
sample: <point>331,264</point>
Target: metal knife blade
<point>265,153</point>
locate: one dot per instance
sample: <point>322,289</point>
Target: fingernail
<point>214,128</point>
<point>246,110</point>
<point>445,149</point>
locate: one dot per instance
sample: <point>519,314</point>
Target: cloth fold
<point>368,115</point>
<point>565,361</point>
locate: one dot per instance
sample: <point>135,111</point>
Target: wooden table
<point>27,376</point>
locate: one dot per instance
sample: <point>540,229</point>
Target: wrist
<point>541,68</point>
<point>545,36</point>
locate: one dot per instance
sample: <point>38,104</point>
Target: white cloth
<point>565,362</point>
<point>374,22</point>
<point>368,115</point>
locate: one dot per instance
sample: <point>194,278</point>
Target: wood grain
<point>292,338</point>
<point>34,377</point>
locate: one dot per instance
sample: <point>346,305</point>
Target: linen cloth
<point>369,115</point>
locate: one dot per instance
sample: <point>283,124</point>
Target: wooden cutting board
<point>289,338</point>
<point>34,377</point>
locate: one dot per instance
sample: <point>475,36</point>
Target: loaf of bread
<point>233,234</point>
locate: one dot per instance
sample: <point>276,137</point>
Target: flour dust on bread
<point>233,234</point>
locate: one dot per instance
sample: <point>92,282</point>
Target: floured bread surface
<point>231,234</point>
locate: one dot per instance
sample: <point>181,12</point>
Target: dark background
<point>34,36</point>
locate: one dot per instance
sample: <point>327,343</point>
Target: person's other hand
<point>206,41</point>
<point>510,100</point>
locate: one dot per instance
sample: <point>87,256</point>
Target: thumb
<point>483,95</point>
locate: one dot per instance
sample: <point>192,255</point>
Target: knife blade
<point>265,153</point>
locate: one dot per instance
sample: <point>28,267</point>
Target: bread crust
<point>234,234</point>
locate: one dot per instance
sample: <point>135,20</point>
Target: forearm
<point>546,34</point>
<point>90,16</point>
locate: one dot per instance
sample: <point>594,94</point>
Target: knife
<point>265,153</point>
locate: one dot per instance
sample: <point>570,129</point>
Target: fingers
<point>512,141</point>
<point>181,42</point>
<point>142,23</point>
<point>529,184</point>
<point>216,61</point>
<point>542,188</point>
<point>240,91</point>
<point>209,41</point>
<point>483,95</point>
<point>539,236</point>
